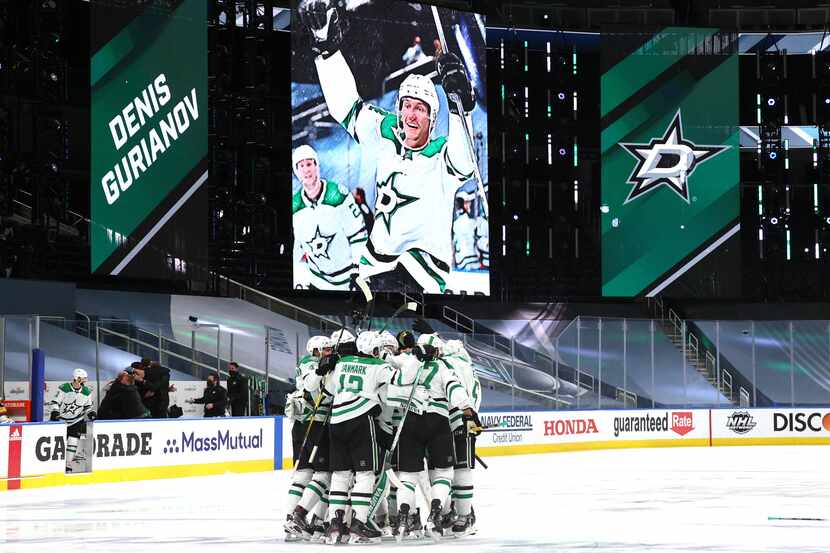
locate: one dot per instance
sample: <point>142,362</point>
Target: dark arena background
<point>613,217</point>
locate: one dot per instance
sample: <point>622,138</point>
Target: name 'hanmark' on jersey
<point>390,200</point>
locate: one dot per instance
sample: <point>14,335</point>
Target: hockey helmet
<point>405,339</point>
<point>303,152</point>
<point>386,340</point>
<point>318,343</point>
<point>342,336</point>
<point>431,340</point>
<point>421,88</point>
<point>79,374</point>
<point>367,342</point>
<point>456,348</point>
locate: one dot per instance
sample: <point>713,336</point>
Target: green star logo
<point>389,200</point>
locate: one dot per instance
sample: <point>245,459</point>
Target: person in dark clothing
<point>237,391</point>
<point>155,390</point>
<point>214,397</point>
<point>122,400</point>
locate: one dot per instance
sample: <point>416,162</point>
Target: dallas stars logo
<point>668,161</point>
<point>389,200</point>
<point>319,244</point>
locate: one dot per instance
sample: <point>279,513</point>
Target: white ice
<point>675,499</point>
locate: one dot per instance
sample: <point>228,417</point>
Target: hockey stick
<point>481,462</point>
<point>387,458</point>
<point>457,102</point>
<point>407,306</point>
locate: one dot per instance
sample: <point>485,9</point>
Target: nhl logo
<point>740,422</point>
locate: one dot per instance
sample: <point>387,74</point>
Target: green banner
<point>670,147</point>
<point>148,137</point>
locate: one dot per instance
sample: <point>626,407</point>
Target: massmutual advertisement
<point>149,139</point>
<point>670,167</point>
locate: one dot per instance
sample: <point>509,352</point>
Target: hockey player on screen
<point>417,173</point>
<point>329,229</point>
<point>72,404</point>
<point>470,235</point>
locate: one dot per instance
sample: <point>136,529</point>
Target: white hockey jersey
<point>470,237</point>
<point>355,384</point>
<point>416,189</point>
<point>462,366</point>
<point>437,390</point>
<point>309,383</point>
<point>298,406</point>
<point>72,404</point>
<point>329,234</point>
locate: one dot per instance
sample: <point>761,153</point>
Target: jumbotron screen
<point>389,148</point>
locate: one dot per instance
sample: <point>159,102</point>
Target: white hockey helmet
<point>431,340</point>
<point>303,152</point>
<point>318,343</point>
<point>386,340</point>
<point>367,342</point>
<point>421,88</point>
<point>456,348</point>
<point>79,374</point>
<point>342,337</point>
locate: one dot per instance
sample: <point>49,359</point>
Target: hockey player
<point>314,498</point>
<point>355,382</point>
<point>417,173</point>
<point>455,356</point>
<point>299,406</point>
<point>329,230</point>
<point>426,431</point>
<point>72,404</point>
<point>470,235</point>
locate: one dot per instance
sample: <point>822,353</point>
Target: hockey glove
<point>326,23</point>
<point>327,364</point>
<point>455,80</point>
<point>422,327</point>
<point>424,353</point>
<point>54,416</point>
<point>472,422</point>
<point>92,415</point>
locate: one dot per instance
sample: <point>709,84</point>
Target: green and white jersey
<point>462,367</point>
<point>329,235</point>
<point>415,189</point>
<point>72,404</point>
<point>437,390</point>
<point>312,386</point>
<point>355,384</point>
<point>302,407</point>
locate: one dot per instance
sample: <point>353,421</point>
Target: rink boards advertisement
<point>388,183</point>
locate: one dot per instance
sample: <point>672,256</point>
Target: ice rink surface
<point>675,499</point>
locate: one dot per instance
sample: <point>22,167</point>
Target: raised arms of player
<point>361,121</point>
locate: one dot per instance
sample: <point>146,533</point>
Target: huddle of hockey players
<point>355,399</point>
<point>417,175</point>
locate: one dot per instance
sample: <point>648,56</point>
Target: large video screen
<point>670,155</point>
<point>389,147</point>
<point>149,139</point>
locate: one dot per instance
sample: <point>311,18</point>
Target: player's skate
<point>337,531</point>
<point>361,533</point>
<point>409,524</point>
<point>463,526</point>
<point>448,521</point>
<point>433,527</point>
<point>294,523</point>
<point>318,530</point>
<point>383,525</point>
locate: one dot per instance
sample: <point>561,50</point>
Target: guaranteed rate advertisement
<point>389,147</point>
<point>149,139</point>
<point>670,158</point>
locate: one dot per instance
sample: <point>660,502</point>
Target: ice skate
<point>463,526</point>
<point>361,533</point>
<point>318,530</point>
<point>433,527</point>
<point>337,530</point>
<point>294,523</point>
<point>384,526</point>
